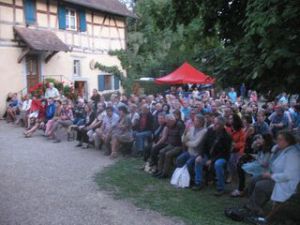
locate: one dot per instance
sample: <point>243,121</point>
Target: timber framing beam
<point>48,57</point>
<point>23,54</point>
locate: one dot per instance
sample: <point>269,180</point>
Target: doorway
<point>32,71</point>
<point>81,89</point>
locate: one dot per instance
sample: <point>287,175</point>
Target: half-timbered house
<point>42,39</point>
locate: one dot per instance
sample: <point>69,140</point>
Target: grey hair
<point>170,117</point>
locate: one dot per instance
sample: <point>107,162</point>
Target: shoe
<point>236,193</point>
<point>56,141</point>
<point>85,146</point>
<point>228,180</point>
<point>79,145</point>
<point>198,187</point>
<point>157,174</point>
<point>219,193</point>
<point>162,176</point>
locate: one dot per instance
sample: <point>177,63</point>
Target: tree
<point>251,41</point>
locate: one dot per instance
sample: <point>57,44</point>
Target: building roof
<point>41,40</point>
<point>111,6</point>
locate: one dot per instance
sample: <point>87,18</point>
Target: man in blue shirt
<point>232,95</point>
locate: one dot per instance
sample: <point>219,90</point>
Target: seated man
<point>172,150</point>
<point>144,128</point>
<point>191,139</point>
<point>91,129</point>
<point>103,134</point>
<point>65,120</point>
<point>79,113</point>
<point>279,121</point>
<point>215,152</point>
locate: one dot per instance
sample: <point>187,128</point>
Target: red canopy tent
<point>186,74</point>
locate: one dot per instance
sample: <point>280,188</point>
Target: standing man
<point>51,92</point>
<point>243,90</point>
<point>232,95</point>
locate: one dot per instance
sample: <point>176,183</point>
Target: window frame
<point>77,67</point>
<point>68,19</point>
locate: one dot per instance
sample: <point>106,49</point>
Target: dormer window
<point>71,19</point>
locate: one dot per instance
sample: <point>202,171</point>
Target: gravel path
<point>42,183</point>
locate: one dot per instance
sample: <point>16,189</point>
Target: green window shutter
<point>30,11</point>
<point>116,83</point>
<point>101,83</point>
<point>82,20</point>
<point>61,17</point>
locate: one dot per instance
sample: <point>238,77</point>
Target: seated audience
<point>280,183</point>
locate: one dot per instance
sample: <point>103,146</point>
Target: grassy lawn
<point>125,181</point>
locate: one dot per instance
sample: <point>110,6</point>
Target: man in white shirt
<point>51,92</point>
<point>109,121</point>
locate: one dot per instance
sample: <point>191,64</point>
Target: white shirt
<point>109,122</point>
<point>286,174</point>
<point>26,105</point>
<point>51,93</point>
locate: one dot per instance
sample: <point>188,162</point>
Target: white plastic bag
<point>181,177</point>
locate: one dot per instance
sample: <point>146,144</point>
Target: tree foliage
<point>251,41</point>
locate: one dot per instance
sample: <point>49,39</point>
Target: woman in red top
<point>40,109</point>
<point>238,136</point>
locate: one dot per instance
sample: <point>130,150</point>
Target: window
<point>76,67</point>
<point>105,82</point>
<point>30,11</point>
<point>71,19</point>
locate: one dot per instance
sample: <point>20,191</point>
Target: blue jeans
<point>186,159</point>
<point>219,167</point>
<point>199,170</point>
<point>140,138</point>
<point>79,121</point>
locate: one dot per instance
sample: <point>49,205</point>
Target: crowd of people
<point>219,137</point>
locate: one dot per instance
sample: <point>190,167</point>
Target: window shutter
<point>30,11</point>
<point>82,20</point>
<point>61,17</point>
<point>116,83</point>
<point>101,83</point>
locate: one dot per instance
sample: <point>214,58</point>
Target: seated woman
<point>34,111</point>
<point>82,130</point>
<point>12,108</point>
<point>24,111</point>
<point>39,120</point>
<point>65,120</point>
<point>255,166</point>
<point>158,142</point>
<point>281,182</point>
<point>50,123</point>
<point>121,133</point>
